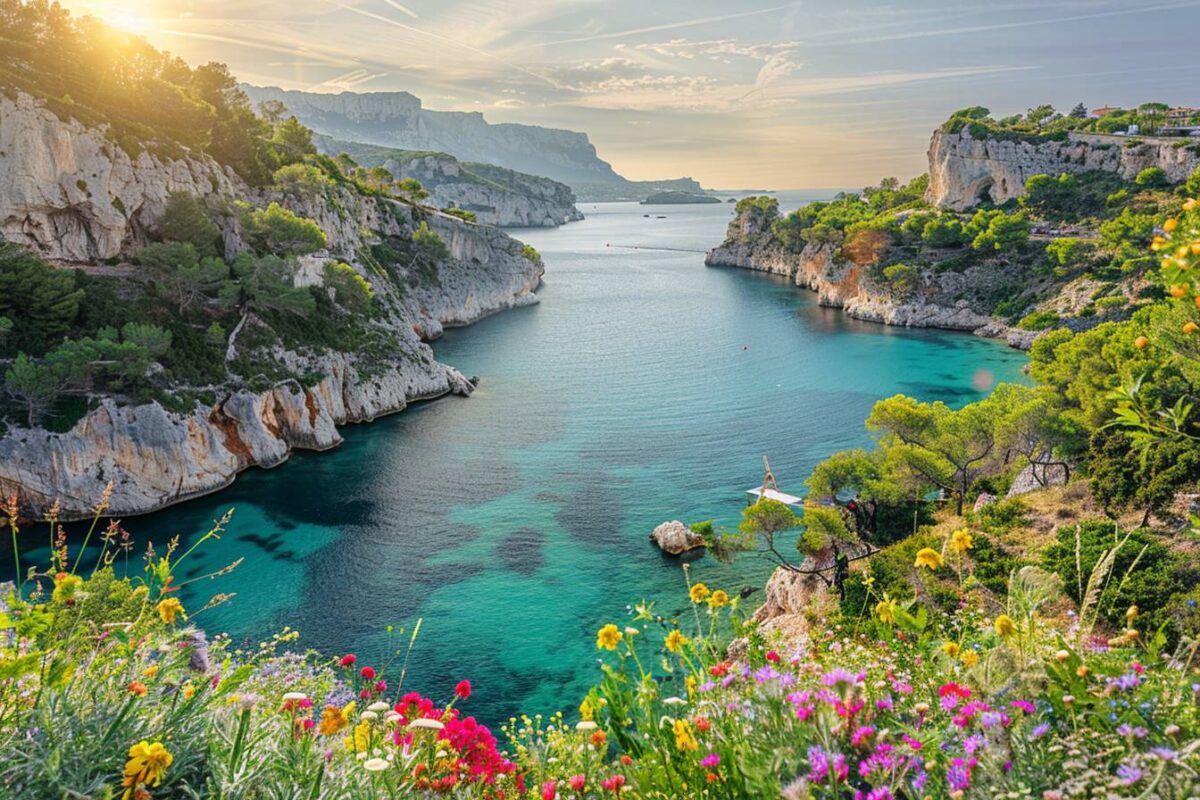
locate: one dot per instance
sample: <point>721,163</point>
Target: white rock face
<point>962,168</point>
<point>155,457</point>
<point>70,194</point>
<point>795,604</point>
<point>841,284</point>
<point>674,537</point>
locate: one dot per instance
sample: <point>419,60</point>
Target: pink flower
<point>710,760</point>
<point>577,783</point>
<point>463,690</point>
<point>614,783</point>
<point>381,687</point>
<point>861,735</point>
<point>348,660</point>
<point>549,790</point>
<point>368,673</point>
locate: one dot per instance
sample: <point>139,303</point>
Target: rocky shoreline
<point>74,197</point>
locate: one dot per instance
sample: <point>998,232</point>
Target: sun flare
<point>128,21</point>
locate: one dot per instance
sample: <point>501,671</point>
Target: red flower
<point>348,660</point>
<point>614,783</point>
<point>626,760</point>
<point>549,790</point>
<point>368,673</point>
<point>578,782</point>
<point>463,690</point>
<point>381,687</point>
<point>773,657</point>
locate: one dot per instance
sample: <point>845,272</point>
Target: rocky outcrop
<point>962,169</point>
<point>155,457</point>
<point>940,301</point>
<point>496,196</point>
<point>795,604</point>
<point>675,538</point>
<point>70,193</point>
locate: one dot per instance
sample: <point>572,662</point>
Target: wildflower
<point>549,790</point>
<point>950,649</point>
<point>463,690</point>
<point>684,738</point>
<point>577,782</point>
<point>146,766</point>
<point>1129,774</point>
<point>675,641</point>
<point>1141,342</point>
<point>614,783</point>
<point>960,541</point>
<point>598,738</point>
<point>608,637</point>
<point>189,691</point>
<point>699,593</point>
<point>348,660</point>
<point>1170,225</point>
<point>1004,625</point>
<point>368,673</point>
<point>66,588</point>
<point>333,719</point>
<point>585,725</point>
<point>426,724</point>
<point>886,609</point>
<point>710,760</point>
<point>928,557</point>
<point>719,599</point>
<point>150,671</point>
<point>585,710</point>
<point>168,608</point>
<point>970,658</point>
<point>137,688</point>
<point>375,765</point>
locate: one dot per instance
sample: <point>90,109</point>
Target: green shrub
<point>1038,321</point>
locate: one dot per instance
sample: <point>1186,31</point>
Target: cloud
<point>687,23</point>
<point>347,81</point>
<point>717,49</point>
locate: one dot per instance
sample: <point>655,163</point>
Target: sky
<point>737,94</point>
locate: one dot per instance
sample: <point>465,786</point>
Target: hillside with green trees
<point>254,315</point>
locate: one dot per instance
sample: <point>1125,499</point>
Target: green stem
<point>86,539</point>
<point>240,740</point>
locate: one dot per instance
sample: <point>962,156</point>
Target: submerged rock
<point>675,538</point>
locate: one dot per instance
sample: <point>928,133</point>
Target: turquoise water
<point>644,387</point>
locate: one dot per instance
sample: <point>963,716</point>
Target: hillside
<point>1010,235</point>
<point>495,195</point>
<point>399,120</point>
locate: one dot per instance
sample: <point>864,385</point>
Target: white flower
<point>293,696</point>
<point>585,725</point>
<point>375,765</point>
<point>631,631</point>
<point>675,701</point>
<point>378,706</point>
<point>426,724</point>
<point>368,715</point>
<point>391,717</point>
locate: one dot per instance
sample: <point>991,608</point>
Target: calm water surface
<point>644,387</point>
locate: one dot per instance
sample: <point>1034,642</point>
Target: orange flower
<point>598,739</point>
<point>137,687</point>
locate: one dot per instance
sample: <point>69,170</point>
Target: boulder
<point>675,538</point>
<point>984,499</point>
<point>1029,480</point>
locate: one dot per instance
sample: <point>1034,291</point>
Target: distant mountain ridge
<point>399,120</point>
<point>495,195</point>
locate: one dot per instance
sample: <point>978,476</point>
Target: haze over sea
<point>644,387</point>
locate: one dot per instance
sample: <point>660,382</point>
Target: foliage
<point>1004,233</point>
<point>461,213</point>
<point>279,231</point>
<point>186,220</point>
<point>302,180</point>
<point>904,278</point>
<point>1038,321</point>
<point>181,276</point>
<point>40,301</point>
<point>430,245</point>
<point>1153,177</point>
<point>350,290</point>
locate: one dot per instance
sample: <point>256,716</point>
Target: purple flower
<point>1024,705</point>
<point>1041,730</point>
<point>959,773</point>
<point>838,676</point>
<point>1129,774</point>
<point>710,760</point>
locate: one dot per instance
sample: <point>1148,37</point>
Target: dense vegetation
<point>1044,123</point>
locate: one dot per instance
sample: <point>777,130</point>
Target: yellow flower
<point>676,641</point>
<point>691,683</point>
<point>608,637</point>
<point>885,609</point>
<point>585,710</point>
<point>1170,225</point>
<point>969,658</point>
<point>960,541</point>
<point>189,691</point>
<point>146,765</point>
<point>684,738</point>
<point>950,649</point>
<point>1131,615</point>
<point>333,719</point>
<point>150,671</point>
<point>168,607</point>
<point>698,593</point>
<point>361,740</point>
<point>66,586</point>
<point>1189,204</point>
<point>719,599</point>
<point>1005,626</point>
<point>928,557</point>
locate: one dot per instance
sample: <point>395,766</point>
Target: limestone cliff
<point>941,301</point>
<point>71,195</point>
<point>497,196</point>
<point>962,169</point>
